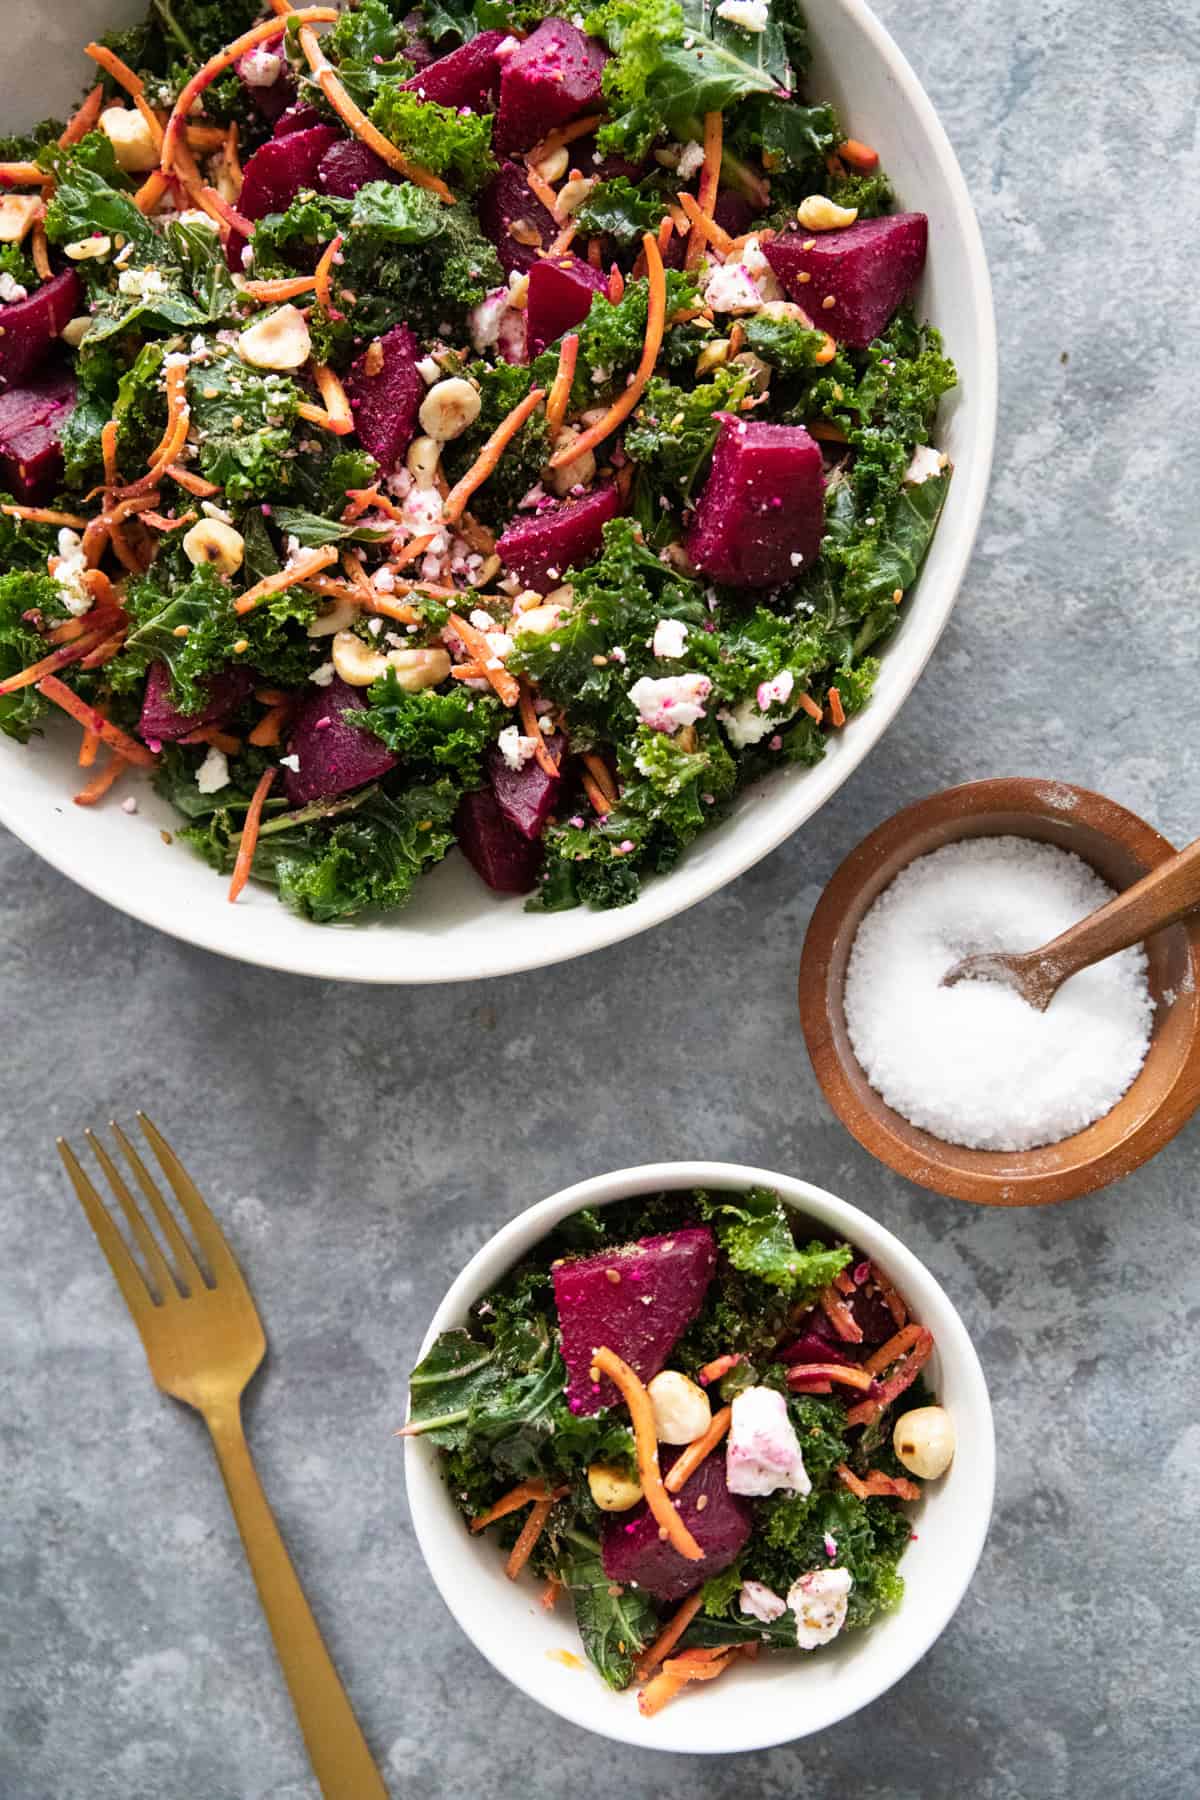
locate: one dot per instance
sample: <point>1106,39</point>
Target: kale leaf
<point>755,1233</point>
<point>621,210</point>
<point>615,1623</point>
<point>433,729</point>
<point>674,429</point>
<point>243,420</point>
<point>22,591</point>
<point>452,143</point>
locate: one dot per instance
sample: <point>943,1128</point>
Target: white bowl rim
<point>385,955</point>
<point>438,1526</point>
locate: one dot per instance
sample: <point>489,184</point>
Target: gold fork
<point>203,1340</point>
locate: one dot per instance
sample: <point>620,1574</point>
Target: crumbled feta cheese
<point>129,804</point>
<point>515,749</point>
<point>819,1601</point>
<point>213,773</point>
<point>291,762</point>
<point>11,289</point>
<point>746,724</point>
<point>670,702</point>
<point>751,15</point>
<point>761,1602</point>
<point>499,643</point>
<point>926,461</point>
<point>483,321</point>
<point>770,693</point>
<point>742,286</point>
<point>384,580</point>
<point>670,636</point>
<point>322,676</point>
<point>691,160</point>
<point>763,1452</point>
<point>260,67</point>
<point>428,370</point>
<point>69,572</point>
<point>482,621</point>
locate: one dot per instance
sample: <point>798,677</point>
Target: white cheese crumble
<point>691,160</point>
<point>213,773</point>
<point>670,636</point>
<point>322,675</point>
<point>260,67</point>
<point>763,1452</point>
<point>11,289</point>
<point>742,286</point>
<point>515,749</point>
<point>670,702</point>
<point>819,1602</point>
<point>761,1602</point>
<point>291,762</point>
<point>69,571</point>
<point>926,461</point>
<point>751,15</point>
<point>483,321</point>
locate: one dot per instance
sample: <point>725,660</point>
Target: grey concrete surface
<point>360,1144</point>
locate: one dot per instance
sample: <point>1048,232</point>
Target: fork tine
<point>208,1233</point>
<point>125,1271</point>
<point>147,1243</point>
<point>185,1261</point>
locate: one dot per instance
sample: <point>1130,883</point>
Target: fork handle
<point>342,1763</point>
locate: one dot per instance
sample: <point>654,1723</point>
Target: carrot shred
<point>720,1365</point>
<point>892,1300</point>
<point>513,1501</point>
<point>685,1466</point>
<point>891,1487</point>
<point>826,433</point>
<point>543,756</point>
<point>324,269</point>
<point>669,1636</point>
<point>40,251</point>
<point>49,665</point>
<point>616,285</point>
<point>233,162</point>
<point>488,459</point>
<point>843,1282</point>
<point>837,712</point>
<point>693,1665</point>
<point>902,1377</point>
<point>337,403</point>
<point>562,243</point>
<point>356,120</point>
<point>641,1416</point>
<point>619,411</point>
<point>172,440</point>
<point>858,155</point>
<point>103,653</point>
<point>193,484</point>
<point>205,138</point>
<point>559,397</point>
<point>82,120</point>
<point>151,191</point>
<point>599,770</point>
<point>666,231</point>
<point>415,547</point>
<point>51,688</point>
<point>217,207</point>
<point>212,734</point>
<point>839,1315</point>
<point>249,837</point>
<point>531,1531</point>
<point>539,187</point>
<point>549,1594</point>
<point>597,798</point>
<point>225,59</point>
<point>849,1479</point>
<point>705,228</point>
<point>286,288</point>
<point>309,562</point>
<point>43,515</point>
<point>269,729</point>
<point>88,749</point>
<point>710,176</point>
<point>101,781</point>
<point>361,500</point>
<point>506,685</point>
<point>468,671</point>
<point>24,174</point>
<point>159,522</point>
<point>890,1352</point>
<point>562,135</point>
<point>111,63</point>
<point>849,1374</point>
<point>595,252</point>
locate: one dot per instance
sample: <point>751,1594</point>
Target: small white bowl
<point>455,929</point>
<point>779,1698</point>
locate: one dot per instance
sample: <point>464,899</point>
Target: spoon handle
<point>1159,899</point>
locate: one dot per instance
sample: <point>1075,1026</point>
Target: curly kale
<point>455,144</point>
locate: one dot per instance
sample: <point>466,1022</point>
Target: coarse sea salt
<point>975,1064</point>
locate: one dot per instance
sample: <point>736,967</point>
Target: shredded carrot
<point>269,729</point>
<point>210,734</point>
<point>890,1352</point>
<point>641,1417</point>
<point>101,781</point>
<point>233,162</point>
<point>843,1282</point>
<point>159,522</point>
<point>549,1594</point>
<point>337,404</point>
<point>559,397</point>
<point>616,285</point>
<point>619,411</point>
<point>539,187</point>
<point>896,1487</point>
<point>50,665</point>
<point>849,1479</point>
<point>370,499</point>
<point>892,1300</point>
<point>249,837</point>
<point>839,1315</point>
<point>828,434</point>
<point>902,1377</point>
<point>88,749</point>
<point>595,252</point>
<point>43,515</point>
<point>488,459</point>
<point>599,771</point>
<point>542,753</point>
<point>849,1374</point>
<point>704,227</point>
<point>720,1365</point>
<point>669,1636</point>
<point>205,138</point>
<point>317,415</point>
<point>808,704</point>
<point>597,798</point>
<point>357,121</point>
<point>562,243</point>
<point>693,1665</point>
<point>103,653</point>
<point>480,650</point>
<point>194,484</point>
<point>468,671</point>
<point>415,547</point>
<point>522,1495</point>
<point>837,711</point>
<point>858,155</point>
<point>109,433</point>
<point>51,688</point>
<point>685,1466</point>
<point>309,562</point>
<point>352,563</point>
<point>562,135</point>
<point>324,269</point>
<point>217,207</point>
<point>81,121</point>
<point>288,287</point>
<point>172,440</point>
<point>666,231</point>
<point>531,1531</point>
<point>151,191</point>
<point>40,252</point>
<point>24,174</point>
<point>225,59</point>
<point>710,176</point>
<point>133,84</point>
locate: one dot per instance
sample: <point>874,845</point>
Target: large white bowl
<point>455,929</point>
<point>778,1698</point>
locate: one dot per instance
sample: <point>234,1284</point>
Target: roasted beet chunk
<point>348,165</point>
<point>761,517</point>
<point>550,78</point>
<point>161,721</point>
<point>31,326</point>
<point>496,850</point>
<point>31,421</point>
<point>633,1550</point>
<point>544,545</point>
<point>525,796</point>
<point>265,75</point>
<point>336,755</point>
<point>515,219</point>
<point>385,404</point>
<point>867,270</point>
<point>278,170</point>
<point>467,77</point>
<point>297,118</point>
<point>560,296</point>
<point>660,1288</point>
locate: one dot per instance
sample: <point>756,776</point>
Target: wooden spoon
<point>1161,898</point>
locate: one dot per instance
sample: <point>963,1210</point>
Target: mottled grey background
<point>361,1143</point>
